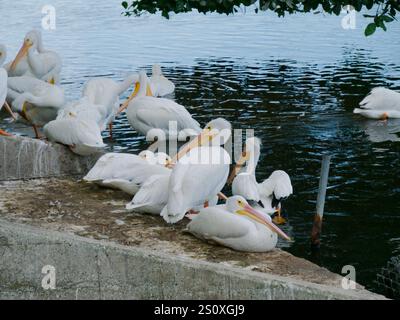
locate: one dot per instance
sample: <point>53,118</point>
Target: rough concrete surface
<point>23,158</point>
<point>142,258</point>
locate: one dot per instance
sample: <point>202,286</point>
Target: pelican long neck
<point>253,160</point>
<point>40,47</point>
<point>124,85</point>
<point>143,85</point>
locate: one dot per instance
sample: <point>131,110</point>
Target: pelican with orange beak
<point>200,172</point>
<point>35,61</point>
<point>146,112</point>
<point>236,225</point>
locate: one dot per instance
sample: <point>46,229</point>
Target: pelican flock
<point>185,186</point>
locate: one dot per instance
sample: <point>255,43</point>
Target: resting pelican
<point>105,92</point>
<point>35,61</point>
<point>380,104</point>
<point>267,195</point>
<point>127,172</point>
<point>145,113</point>
<point>200,173</point>
<point>236,225</point>
<point>3,86</point>
<point>81,136</point>
<point>35,100</point>
<point>160,85</point>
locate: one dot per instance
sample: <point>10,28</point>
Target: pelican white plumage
<point>160,85</point>
<point>201,172</point>
<point>82,136</point>
<point>380,104</point>
<point>145,113</point>
<point>127,172</point>
<point>3,86</point>
<point>236,225</point>
<point>267,195</point>
<point>35,61</point>
<point>105,92</point>
<point>37,101</point>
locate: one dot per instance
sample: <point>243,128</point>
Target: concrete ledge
<point>92,269</point>
<point>24,158</point>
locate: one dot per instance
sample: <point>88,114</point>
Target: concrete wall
<point>90,269</point>
<point>22,158</point>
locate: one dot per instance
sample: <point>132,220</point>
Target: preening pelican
<point>105,92</point>
<point>3,86</point>
<point>35,100</point>
<point>35,61</point>
<point>83,137</point>
<point>127,172</point>
<point>380,104</point>
<point>84,109</point>
<point>160,85</point>
<point>236,225</point>
<point>201,172</point>
<point>266,196</point>
<point>145,113</point>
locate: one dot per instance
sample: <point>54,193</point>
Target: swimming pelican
<point>380,104</point>
<point>160,85</point>
<point>200,173</point>
<point>35,100</point>
<point>81,136</point>
<point>35,61</point>
<point>145,113</point>
<point>127,172</point>
<point>267,195</point>
<point>3,86</point>
<point>105,92</point>
<point>236,225</point>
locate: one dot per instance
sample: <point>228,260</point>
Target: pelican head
<point>217,132</point>
<point>238,205</point>
<point>163,159</point>
<point>142,88</point>
<point>32,40</point>
<point>148,156</point>
<point>3,54</point>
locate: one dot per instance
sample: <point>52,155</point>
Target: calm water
<point>294,80</point>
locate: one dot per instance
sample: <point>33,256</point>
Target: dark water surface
<point>294,80</point>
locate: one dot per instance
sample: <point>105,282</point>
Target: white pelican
<point>145,113</point>
<point>3,86</point>
<point>380,104</point>
<point>81,136</point>
<point>236,225</point>
<point>160,85</point>
<point>201,172</point>
<point>105,92</point>
<point>127,172</point>
<point>35,61</point>
<point>267,195</point>
<point>84,109</point>
<point>35,100</point>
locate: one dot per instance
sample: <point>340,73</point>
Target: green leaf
<point>387,19</point>
<point>125,4</point>
<point>370,29</point>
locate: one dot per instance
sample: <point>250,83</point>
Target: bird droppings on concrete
<point>87,210</point>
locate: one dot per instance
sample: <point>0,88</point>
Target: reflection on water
<point>298,94</point>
